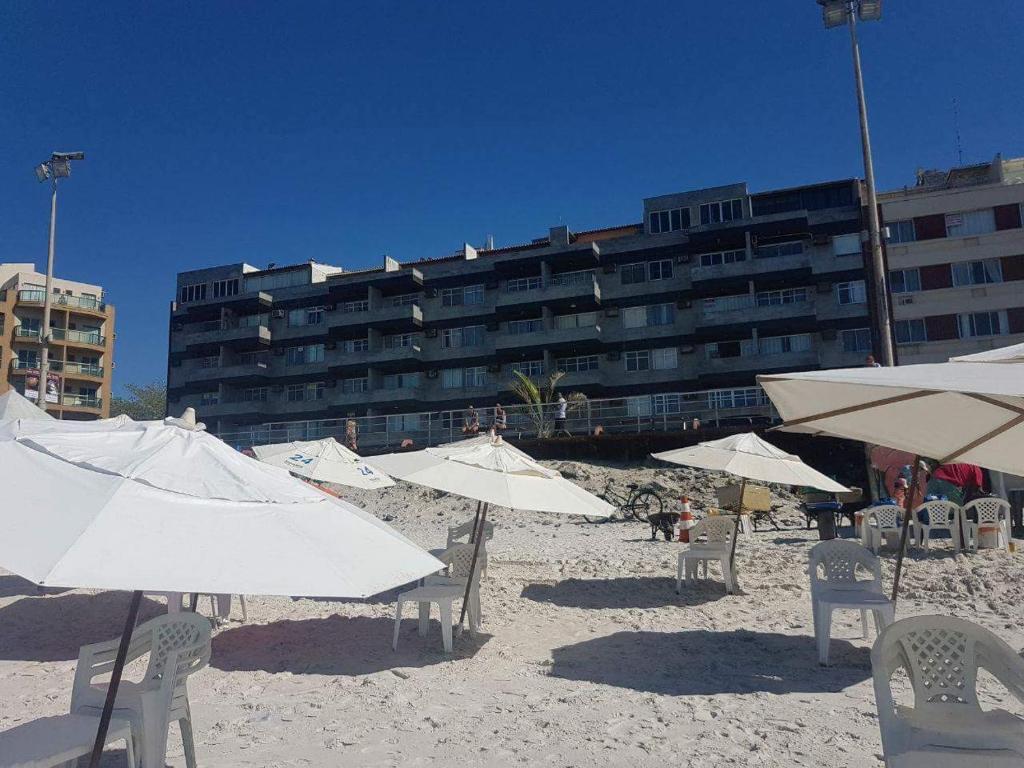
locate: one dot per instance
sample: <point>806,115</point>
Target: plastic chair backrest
<point>185,634</point>
<point>460,560</point>
<point>885,516</point>
<point>990,510</point>
<point>719,529</point>
<point>840,560</point>
<point>940,513</point>
<point>465,530</point>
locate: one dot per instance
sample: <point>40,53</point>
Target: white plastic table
<point>53,741</point>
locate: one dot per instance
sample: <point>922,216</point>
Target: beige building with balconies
<point>955,249</point>
<point>81,354</point>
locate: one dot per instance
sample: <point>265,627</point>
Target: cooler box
<point>756,498</point>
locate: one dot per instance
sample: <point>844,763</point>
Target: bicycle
<point>638,503</point>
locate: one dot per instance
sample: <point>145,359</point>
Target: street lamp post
<point>57,167</point>
<point>836,13</point>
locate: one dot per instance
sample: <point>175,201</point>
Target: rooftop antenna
<point>956,124</point>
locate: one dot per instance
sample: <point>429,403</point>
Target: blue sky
<point>259,132</point>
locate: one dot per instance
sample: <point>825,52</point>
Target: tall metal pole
<point>44,338</point>
<point>878,261</point>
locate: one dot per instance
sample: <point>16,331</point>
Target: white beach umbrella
<point>325,461</point>
<point>492,472</point>
<point>748,457</point>
<point>970,410</point>
<point>146,506</point>
<point>14,405</point>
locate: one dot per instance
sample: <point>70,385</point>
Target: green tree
<point>537,396</point>
<point>143,402</point>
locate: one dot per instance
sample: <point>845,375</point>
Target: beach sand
<point>589,658</point>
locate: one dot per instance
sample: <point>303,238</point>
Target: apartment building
<point>713,287</point>
<point>81,350</point>
<point>955,250</point>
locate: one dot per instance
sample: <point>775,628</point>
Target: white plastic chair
<point>718,531</point>
<point>178,645</point>
<point>991,512</point>
<point>840,562</point>
<point>942,516</point>
<point>941,656</point>
<point>458,534</point>
<point>444,590</point>
<point>878,523</point>
<point>220,605</point>
<point>48,742</point>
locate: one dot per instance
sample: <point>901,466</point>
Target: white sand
<point>590,658</point>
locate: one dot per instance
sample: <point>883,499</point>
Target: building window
<point>665,405</point>
<point>785,296</point>
<point>665,358</point>
<point>645,316</point>
<point>982,324</point>
<point>578,320</point>
<point>468,336</point>
<point>724,210</point>
<point>639,360</point>
<point>352,386</point>
<point>520,284</point>
<point>405,299</point>
<point>355,345</point>
<point>905,280</point>
<point>253,358</point>
<point>970,223</point>
<point>271,280</point>
<point>977,272</point>
<point>775,250</point>
<point>743,397</point>
<point>313,390</point>
<point>253,394</point>
<point>578,364</point>
<point>400,341</point>
<point>224,288</point>
<point>362,305</point>
<point>533,325</point>
<point>672,220</point>
<point>853,292</point>
<point>722,257</point>
<point>856,339</point>
<point>456,378</point>
<point>900,232</point>
<point>467,294</point>
<point>210,361</point>
<point>781,345</point>
<point>530,368</point>
<point>310,353</point>
<point>306,316</point>
<point>846,245</point>
<point>659,270</point>
<point>911,331</point>
<point>209,398</point>
<point>402,380</point>
<point>196,292</point>
<point>633,273</point>
<point>721,349</point>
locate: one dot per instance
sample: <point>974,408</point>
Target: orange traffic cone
<point>685,521</point>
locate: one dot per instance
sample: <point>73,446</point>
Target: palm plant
<point>538,395</point>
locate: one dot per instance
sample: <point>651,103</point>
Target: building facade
<point>713,287</point>
<point>81,356</point>
<point>955,250</point>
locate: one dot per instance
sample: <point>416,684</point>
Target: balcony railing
<point>32,296</point>
<point>81,401</point>
<point>26,333</point>
<point>79,337</point>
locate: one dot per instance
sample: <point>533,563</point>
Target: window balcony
<point>82,401</point>
<point>88,338</point>
<point>745,308</point>
<point>38,297</point>
<point>579,287</point>
<point>211,335</point>
<point>387,319</point>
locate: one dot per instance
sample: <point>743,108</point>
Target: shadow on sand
<point>336,645</point>
<point>54,628</point>
<point>15,586</point>
<point>698,663</point>
<point>626,592</point>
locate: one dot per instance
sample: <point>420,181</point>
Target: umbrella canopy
<point>14,405</point>
<point>970,410</point>
<point>493,472</point>
<point>150,506</point>
<point>325,461</point>
<point>750,457</point>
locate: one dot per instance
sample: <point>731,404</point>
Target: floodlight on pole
<point>836,13</point>
<point>57,167</point>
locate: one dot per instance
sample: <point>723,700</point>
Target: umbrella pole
<point>908,511</point>
<point>472,566</point>
<point>476,522</point>
<point>115,680</point>
<point>739,516</point>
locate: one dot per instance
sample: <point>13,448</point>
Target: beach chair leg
<point>424,618</point>
<point>188,742</point>
<point>129,752</point>
<point>824,632</point>
<point>398,624</point>
<point>445,609</point>
<point>679,574</point>
<point>245,611</point>
<point>727,575</point>
<point>864,624</point>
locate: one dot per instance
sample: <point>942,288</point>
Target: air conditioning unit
<point>608,269</point>
<point>430,333</point>
<point>611,312</point>
<point>432,373</point>
<point>278,314</point>
<point>903,300</point>
<point>614,355</point>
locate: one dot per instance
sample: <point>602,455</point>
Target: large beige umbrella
<point>324,461</point>
<point>14,405</point>
<point>748,457</point>
<point>492,472</point>
<point>969,410</point>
